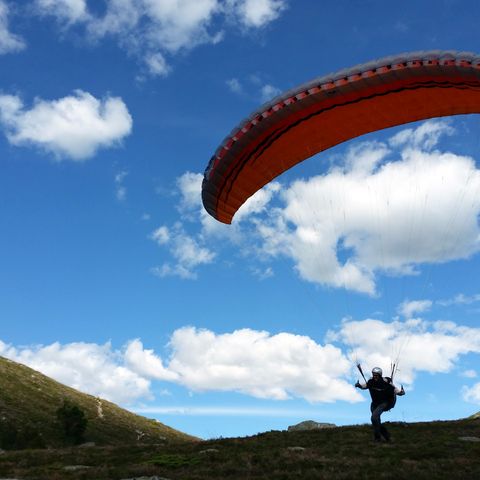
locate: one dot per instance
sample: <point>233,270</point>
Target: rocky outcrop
<point>310,425</point>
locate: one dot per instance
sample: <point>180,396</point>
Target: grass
<point>430,450</point>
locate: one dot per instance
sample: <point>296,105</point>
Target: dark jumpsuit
<point>383,399</point>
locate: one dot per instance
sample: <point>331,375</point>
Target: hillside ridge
<point>29,401</point>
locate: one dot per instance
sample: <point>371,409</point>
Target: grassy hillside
<point>29,402</point>
<point>435,450</point>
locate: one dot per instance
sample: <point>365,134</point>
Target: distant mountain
<point>29,402</point>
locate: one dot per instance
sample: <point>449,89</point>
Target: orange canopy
<point>332,109</point>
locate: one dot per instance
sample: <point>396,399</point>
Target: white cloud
<point>157,65</point>
<point>145,363</point>
<point>385,217</point>
<point>409,308</point>
<point>258,202</point>
<point>263,273</point>
<point>460,299</point>
<point>247,361</point>
<point>268,92</point>
<point>415,345</point>
<point>186,250</point>
<point>88,367</point>
<point>120,189</point>
<point>257,13</point>
<point>425,137</point>
<point>234,85</point>
<point>152,29</point>
<point>72,127</point>
<point>469,374</point>
<point>161,235</point>
<point>472,394</point>
<point>253,87</point>
<point>259,364</point>
<point>189,186</point>
<point>121,17</point>
<point>68,11</point>
<point>377,211</point>
<point>9,42</point>
<point>181,23</point>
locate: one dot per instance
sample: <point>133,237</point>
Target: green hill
<point>28,414</point>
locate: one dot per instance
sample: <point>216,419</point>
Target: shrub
<point>73,422</point>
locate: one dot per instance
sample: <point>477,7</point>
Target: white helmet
<point>377,371</point>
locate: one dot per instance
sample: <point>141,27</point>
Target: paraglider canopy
<point>332,109</point>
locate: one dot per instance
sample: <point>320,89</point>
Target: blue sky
<point>115,281</point>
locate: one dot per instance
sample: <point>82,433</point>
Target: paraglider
<point>384,395</point>
<point>325,112</point>
<point>332,109</point>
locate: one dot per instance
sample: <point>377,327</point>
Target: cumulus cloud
<point>88,367</point>
<point>190,251</point>
<point>154,29</point>
<point>415,345</point>
<point>187,252</point>
<point>260,364</point>
<point>258,202</point>
<point>73,127</point>
<point>9,42</point>
<point>257,13</point>
<point>376,211</point>
<point>252,362</point>
<point>382,216</point>
<point>66,11</point>
<point>409,308</point>
<point>472,394</point>
<point>145,363</point>
<point>189,186</point>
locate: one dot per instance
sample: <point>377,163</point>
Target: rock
<point>155,477</point>
<point>86,445</point>
<point>2,451</point>
<point>310,425</point>
<point>209,450</point>
<point>296,449</point>
<point>73,468</point>
<point>469,439</point>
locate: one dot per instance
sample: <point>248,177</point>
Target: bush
<point>73,422</point>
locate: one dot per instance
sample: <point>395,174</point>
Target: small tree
<point>73,422</point>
